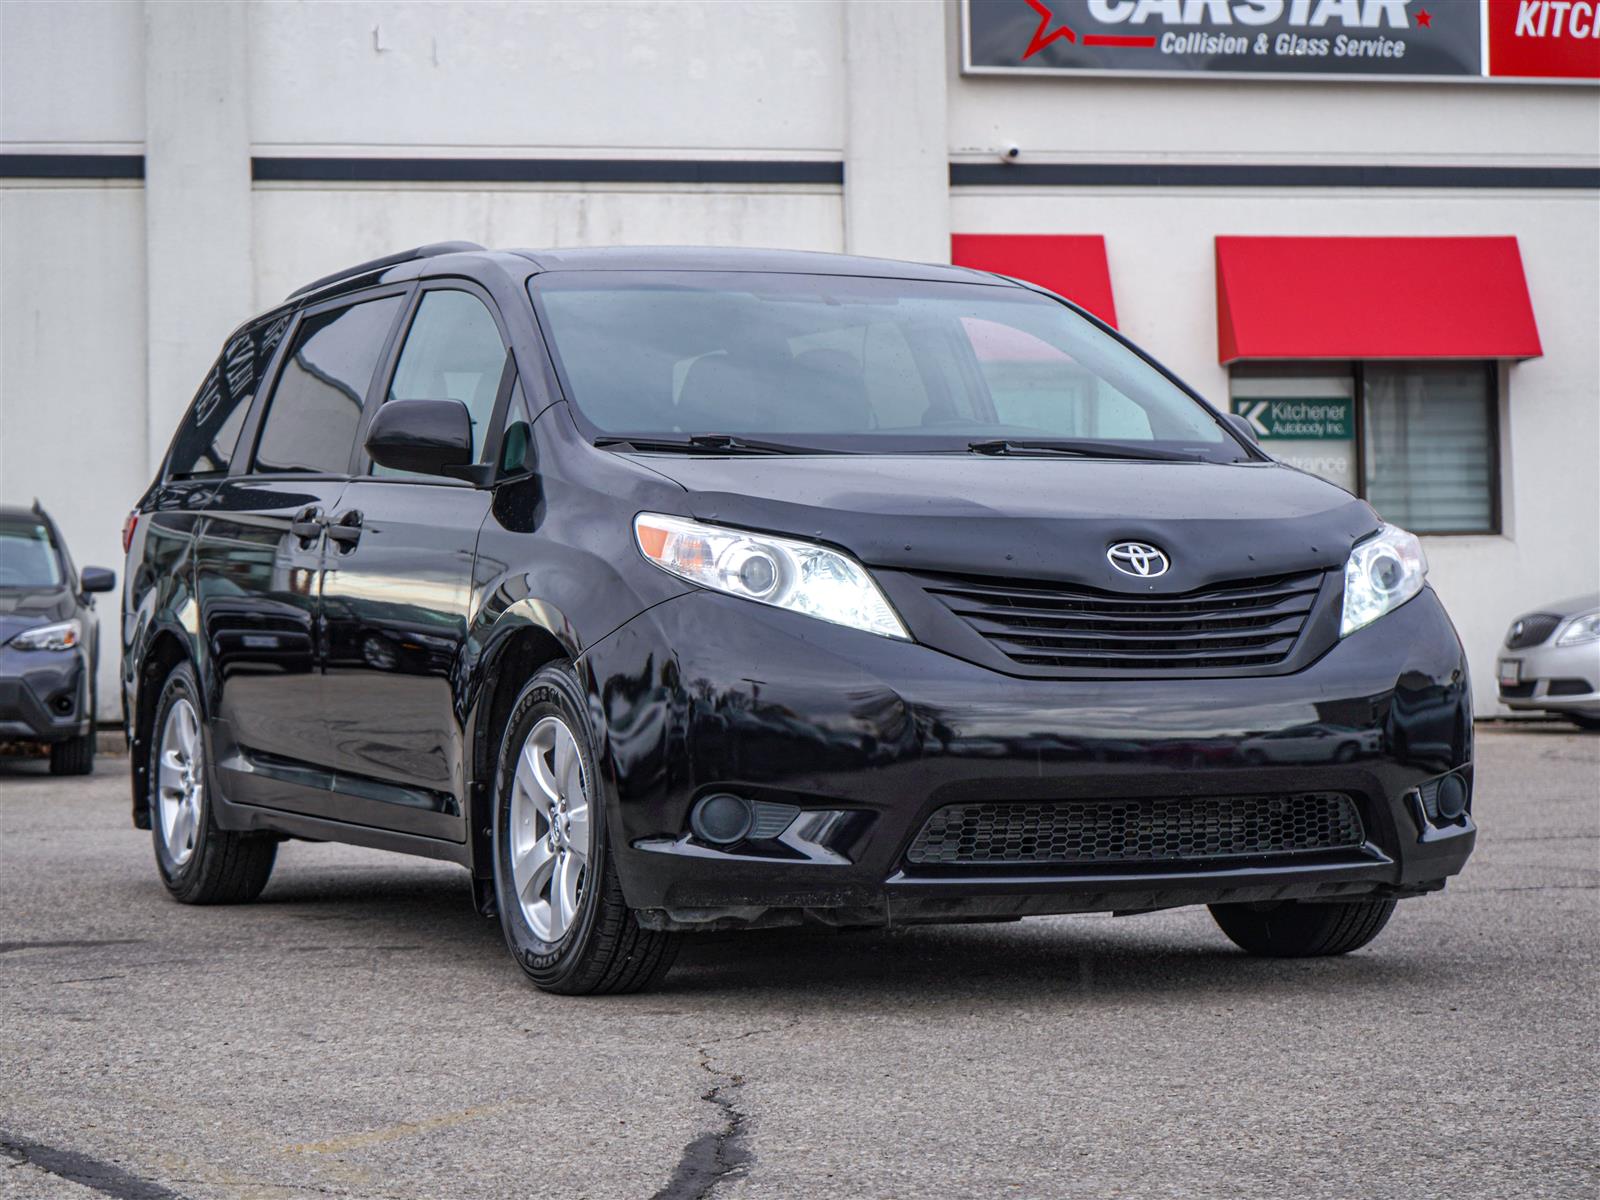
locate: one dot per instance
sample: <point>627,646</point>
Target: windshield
<point>28,557</point>
<point>852,363</point>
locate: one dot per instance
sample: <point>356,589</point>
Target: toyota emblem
<point>1139,559</point>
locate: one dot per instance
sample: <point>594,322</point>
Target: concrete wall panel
<point>72,373</point>
<point>304,232</point>
<point>601,77</point>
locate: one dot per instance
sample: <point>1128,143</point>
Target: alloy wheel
<point>551,833</point>
<point>180,781</point>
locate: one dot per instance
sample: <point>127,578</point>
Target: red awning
<point>1372,297</point>
<point>1072,265</point>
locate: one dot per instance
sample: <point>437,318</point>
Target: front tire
<point>1296,929</point>
<point>198,862</point>
<point>75,756</point>
<point>561,905</point>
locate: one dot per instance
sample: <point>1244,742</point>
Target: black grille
<point>1531,630</point>
<point>1061,833</point>
<point>1247,623</point>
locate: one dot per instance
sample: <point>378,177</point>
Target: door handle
<point>346,530</point>
<point>307,524</point>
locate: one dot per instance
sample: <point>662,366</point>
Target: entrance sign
<point>1305,421</point>
<point>1339,39</point>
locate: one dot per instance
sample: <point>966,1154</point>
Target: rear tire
<point>75,756</point>
<point>1582,722</point>
<point>198,862</point>
<point>561,905</point>
<point>1296,929</point>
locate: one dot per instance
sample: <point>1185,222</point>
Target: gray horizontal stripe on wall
<point>542,170</point>
<point>975,174</point>
<point>71,166</point>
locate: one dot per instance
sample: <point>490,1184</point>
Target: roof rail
<point>433,250</point>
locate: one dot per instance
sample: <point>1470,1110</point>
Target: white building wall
<point>71,77</point>
<point>72,312</point>
<point>607,78</point>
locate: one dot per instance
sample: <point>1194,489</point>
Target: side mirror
<point>428,437</point>
<point>97,579</point>
<point>1242,426</point>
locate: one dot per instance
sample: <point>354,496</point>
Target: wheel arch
<point>526,636</point>
<point>165,650</point>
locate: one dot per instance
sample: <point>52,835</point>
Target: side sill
<point>249,817</point>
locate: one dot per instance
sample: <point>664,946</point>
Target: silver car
<point>1551,661</point>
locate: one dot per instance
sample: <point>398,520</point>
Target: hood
<point>23,609</point>
<point>1036,518</point>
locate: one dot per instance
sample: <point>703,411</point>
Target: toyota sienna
<point>672,590</point>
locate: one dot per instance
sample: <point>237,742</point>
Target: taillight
<point>129,524</point>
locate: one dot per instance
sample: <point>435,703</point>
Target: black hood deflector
<point>1046,518</point>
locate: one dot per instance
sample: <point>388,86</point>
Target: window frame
<point>1356,368</point>
<point>383,379</point>
<point>244,465</point>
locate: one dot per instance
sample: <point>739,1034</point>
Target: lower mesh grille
<point>1061,833</point>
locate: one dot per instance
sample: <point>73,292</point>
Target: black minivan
<point>683,589</point>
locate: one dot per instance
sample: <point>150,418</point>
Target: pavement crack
<point>8,947</point>
<point>722,1153</point>
<point>106,1178</point>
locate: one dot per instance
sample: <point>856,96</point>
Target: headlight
<point>1581,629</point>
<point>799,576</point>
<point>63,636</point>
<point>1382,573</point>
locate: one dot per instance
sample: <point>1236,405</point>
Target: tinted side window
<point>210,431</point>
<point>452,352</point>
<point>312,418</point>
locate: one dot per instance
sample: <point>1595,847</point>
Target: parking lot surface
<point>360,1032</point>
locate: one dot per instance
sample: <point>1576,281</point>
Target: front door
<point>397,591</point>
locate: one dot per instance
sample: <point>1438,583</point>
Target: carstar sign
<point>1388,39</point>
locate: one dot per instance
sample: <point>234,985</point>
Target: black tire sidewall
<point>180,684</point>
<point>553,691</point>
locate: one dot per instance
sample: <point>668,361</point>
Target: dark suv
<point>49,640</point>
<point>674,589</point>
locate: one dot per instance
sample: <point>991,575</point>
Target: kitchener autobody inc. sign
<point>1388,39</point>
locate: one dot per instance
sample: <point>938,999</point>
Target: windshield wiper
<point>1082,449</point>
<point>708,443</point>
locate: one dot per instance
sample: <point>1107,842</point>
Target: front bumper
<point>708,693</point>
<point>43,695</point>
<point>1552,678</point>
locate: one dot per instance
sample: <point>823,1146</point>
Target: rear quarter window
<point>209,434</point>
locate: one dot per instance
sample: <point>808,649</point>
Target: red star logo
<point>1040,38</point>
<point>1424,18</point>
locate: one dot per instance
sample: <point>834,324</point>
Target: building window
<point>1419,441</point>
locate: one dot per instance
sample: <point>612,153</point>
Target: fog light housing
<point>1443,801</point>
<point>1452,798</point>
<point>721,818</point>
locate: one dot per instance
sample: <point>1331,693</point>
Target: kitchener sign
<point>1346,39</point>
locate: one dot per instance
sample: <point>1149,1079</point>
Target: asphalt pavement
<point>360,1032</point>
